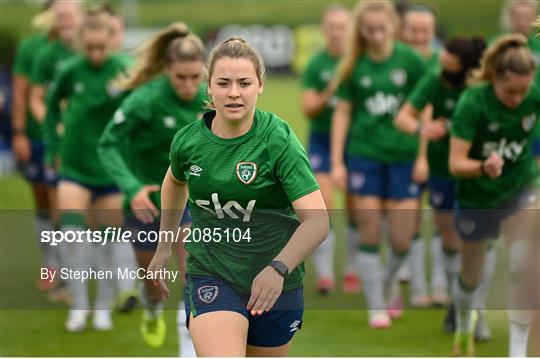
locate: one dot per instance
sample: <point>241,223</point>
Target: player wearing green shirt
<point>148,119</point>
<point>418,30</point>
<point>440,89</point>
<point>490,154</point>
<point>86,82</point>
<point>257,214</point>
<point>318,102</point>
<point>375,79</point>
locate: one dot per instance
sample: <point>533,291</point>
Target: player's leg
<point>73,202</point>
<point>416,263</point>
<point>402,207</point>
<point>281,351</point>
<point>217,317</point>
<point>366,186</point>
<point>323,258</point>
<point>520,230</point>
<point>351,280</point>
<point>106,212</point>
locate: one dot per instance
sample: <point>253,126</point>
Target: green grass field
<point>339,330</point>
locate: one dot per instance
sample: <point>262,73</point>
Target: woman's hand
<point>265,290</point>
<point>493,165</point>
<point>420,173</point>
<point>21,147</point>
<point>434,130</point>
<point>159,263</point>
<point>339,176</point>
<point>143,208</point>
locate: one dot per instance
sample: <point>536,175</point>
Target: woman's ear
<point>261,87</point>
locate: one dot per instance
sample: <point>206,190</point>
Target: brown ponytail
<point>172,44</point>
<point>508,53</point>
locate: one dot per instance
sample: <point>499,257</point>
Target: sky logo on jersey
<point>220,211</point>
<point>195,170</point>
<point>246,172</point>
<point>208,293</point>
<point>381,104</point>
<point>507,150</point>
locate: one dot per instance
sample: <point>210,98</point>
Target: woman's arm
<point>461,165</point>
<point>174,195</point>
<point>313,102</point>
<point>312,231</point>
<point>340,127</point>
<point>37,102</point>
<point>20,142</point>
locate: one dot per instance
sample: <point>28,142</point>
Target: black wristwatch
<point>280,267</point>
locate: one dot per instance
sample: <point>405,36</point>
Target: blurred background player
<point>418,30</point>
<point>376,73</point>
<point>318,102</point>
<point>27,140</point>
<point>168,94</point>
<point>87,196</point>
<point>441,88</point>
<point>490,154</point>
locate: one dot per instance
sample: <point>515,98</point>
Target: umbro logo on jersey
<point>326,75</point>
<point>195,170</point>
<point>449,104</point>
<point>365,81</point>
<point>493,127</point>
<point>78,87</point>
<point>169,122</point>
<point>119,117</point>
<point>246,172</point>
<point>295,325</point>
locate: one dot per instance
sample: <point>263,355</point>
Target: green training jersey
<point>376,91</point>
<point>92,99</point>
<point>433,62</point>
<point>49,61</point>
<point>318,74</point>
<point>148,119</point>
<point>25,59</point>
<point>246,185</point>
<point>431,89</point>
<point>483,120</point>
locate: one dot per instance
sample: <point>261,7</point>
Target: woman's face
<point>512,88</point>
<point>334,28</point>
<point>234,88</point>
<point>185,78</point>
<point>450,62</point>
<point>377,29</point>
<point>96,45</point>
<point>67,18</point>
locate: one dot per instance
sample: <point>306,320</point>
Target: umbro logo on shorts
<point>295,325</point>
<point>208,293</point>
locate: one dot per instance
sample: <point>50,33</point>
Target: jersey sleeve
<point>465,120</point>
<point>125,121</point>
<point>57,91</point>
<point>22,65</point>
<point>310,80</point>
<point>417,69</point>
<point>290,164</point>
<point>39,74</point>
<point>345,89</point>
<point>423,92</point>
<point>177,156</point>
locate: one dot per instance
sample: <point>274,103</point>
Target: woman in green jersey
<point>490,154</point>
<point>86,84</point>
<point>168,94</point>
<point>440,90</point>
<point>257,215</point>
<point>369,155</point>
<point>318,102</point>
<point>27,143</point>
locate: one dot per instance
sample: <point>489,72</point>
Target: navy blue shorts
<point>135,226</point>
<point>442,193</point>
<point>536,148</point>
<point>382,180</point>
<point>205,294</point>
<point>96,192</point>
<point>35,171</point>
<point>319,152</point>
<point>481,224</point>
